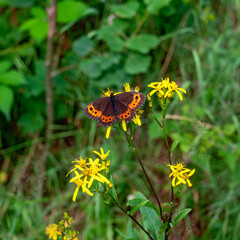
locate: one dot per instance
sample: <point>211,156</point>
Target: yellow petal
<point>152,92</point>
<point>75,194</point>
<point>91,181</point>
<point>124,125</point>
<point>108,132</point>
<point>179,94</point>
<point>181,89</point>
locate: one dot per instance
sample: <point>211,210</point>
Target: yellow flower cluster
<point>180,173</point>
<point>166,89</point>
<point>87,170</point>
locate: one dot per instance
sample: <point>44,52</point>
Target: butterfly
<point>108,110</point>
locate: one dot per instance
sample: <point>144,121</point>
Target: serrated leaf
<point>109,59</point>
<point>137,63</point>
<point>143,43</point>
<point>6,101</point>
<point>68,11</point>
<point>181,215</point>
<point>137,207</point>
<point>125,10</point>
<point>155,5</point>
<point>174,145</point>
<point>83,46</point>
<point>13,78</point>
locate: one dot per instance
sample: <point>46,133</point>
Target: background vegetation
<point>100,44</point>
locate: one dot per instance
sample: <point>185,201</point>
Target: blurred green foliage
<point>100,44</point>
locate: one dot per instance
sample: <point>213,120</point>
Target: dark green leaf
<point>83,46</point>
<point>125,10</point>
<point>21,3</point>
<point>143,43</point>
<point>136,201</point>
<point>6,101</point>
<point>137,63</point>
<point>181,215</point>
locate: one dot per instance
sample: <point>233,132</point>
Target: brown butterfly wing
<point>123,111</point>
<point>108,116</point>
<point>95,109</point>
<point>132,100</point>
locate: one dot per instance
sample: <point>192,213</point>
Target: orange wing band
<point>94,112</point>
<point>107,119</point>
<point>125,115</point>
<point>135,101</point>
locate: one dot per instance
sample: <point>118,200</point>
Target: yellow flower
<point>137,89</point>
<point>94,172</point>
<point>127,87</point>
<point>165,89</point>
<point>180,173</point>
<point>179,167</point>
<point>174,88</point>
<point>157,87</point>
<point>101,154</point>
<point>107,93</point>
<point>177,175</point>
<point>136,118</point>
<point>52,231</point>
<point>80,184</point>
<point>81,165</point>
<point>186,177</point>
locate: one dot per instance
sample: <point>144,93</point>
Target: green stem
<point>135,220</point>
<point>131,143</point>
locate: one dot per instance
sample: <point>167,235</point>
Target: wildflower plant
<point>62,230</point>
<point>92,175</point>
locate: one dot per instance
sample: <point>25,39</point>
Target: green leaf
<point>134,209</point>
<point>91,67</point>
<point>4,66</point>
<point>6,101</point>
<point>181,215</point>
<point>143,43</point>
<point>162,228</point>
<point>109,59</point>
<point>31,122</point>
<point>36,83</point>
<point>150,217</point>
<point>155,5</point>
<point>13,78</point>
<point>136,201</point>
<point>137,63</point>
<point>68,11</point>
<point>110,35</point>
<point>37,28</point>
<point>174,145</point>
<point>83,46</point>
<point>125,10</point>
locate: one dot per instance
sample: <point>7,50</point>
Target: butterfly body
<point>108,110</point>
